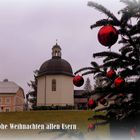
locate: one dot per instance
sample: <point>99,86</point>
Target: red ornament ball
<point>91,127</point>
<point>78,81</point>
<point>103,101</point>
<point>91,104</point>
<point>108,35</point>
<point>111,74</point>
<point>119,82</point>
<point>121,95</point>
<point>133,132</point>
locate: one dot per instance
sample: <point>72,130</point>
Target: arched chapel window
<point>53,85</point>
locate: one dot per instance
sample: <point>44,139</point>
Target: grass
<point>80,118</point>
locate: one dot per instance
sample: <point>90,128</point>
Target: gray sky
<point>29,29</point>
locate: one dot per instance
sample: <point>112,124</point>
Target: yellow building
<point>11,97</point>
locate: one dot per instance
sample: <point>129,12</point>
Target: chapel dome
<point>56,65</point>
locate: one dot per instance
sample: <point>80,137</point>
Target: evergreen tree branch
<point>127,73</point>
<point>88,72</point>
<point>126,50</point>
<point>118,63</point>
<point>104,22</point>
<point>104,54</point>
<point>108,59</point>
<point>103,10</point>
<point>129,2</point>
<point>83,69</point>
<point>100,74</point>
<point>94,64</point>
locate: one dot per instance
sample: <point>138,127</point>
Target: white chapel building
<point>55,81</point>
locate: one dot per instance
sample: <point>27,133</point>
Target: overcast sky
<point>29,29</point>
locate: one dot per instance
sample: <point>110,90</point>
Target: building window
<point>1,108</point>
<point>8,101</point>
<point>7,110</point>
<point>53,85</point>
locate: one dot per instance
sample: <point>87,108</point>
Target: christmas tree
<point>119,71</point>
<point>31,96</point>
<point>87,86</point>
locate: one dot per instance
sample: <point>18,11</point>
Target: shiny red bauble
<point>108,35</point>
<point>121,95</point>
<point>111,74</point>
<point>133,132</point>
<point>92,104</point>
<point>78,81</point>
<point>91,127</point>
<point>119,82</point>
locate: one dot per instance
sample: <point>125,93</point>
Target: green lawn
<point>80,118</point>
<point>76,117</point>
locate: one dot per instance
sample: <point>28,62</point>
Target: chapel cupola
<point>56,51</point>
